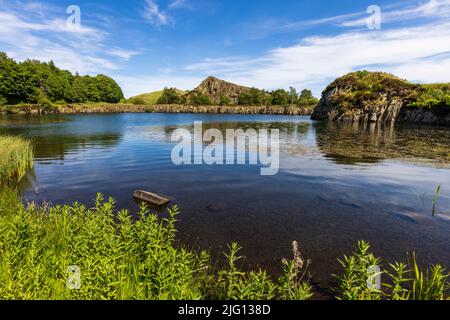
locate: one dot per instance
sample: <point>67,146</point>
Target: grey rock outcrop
<point>375,97</point>
<point>215,88</point>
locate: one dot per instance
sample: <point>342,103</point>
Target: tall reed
<point>16,158</point>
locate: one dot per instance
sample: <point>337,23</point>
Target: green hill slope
<point>149,98</point>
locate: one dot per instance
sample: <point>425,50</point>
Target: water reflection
<point>57,148</point>
<point>342,143</point>
<point>54,136</point>
<point>338,183</point>
<point>356,143</point>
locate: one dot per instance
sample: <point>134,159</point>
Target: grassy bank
<point>16,157</point>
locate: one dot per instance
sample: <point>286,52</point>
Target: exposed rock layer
<point>375,97</point>
<point>127,108</point>
<point>215,88</point>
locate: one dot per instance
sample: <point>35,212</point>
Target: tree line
<point>33,81</point>
<point>251,97</point>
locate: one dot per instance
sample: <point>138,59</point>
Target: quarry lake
<point>337,183</point>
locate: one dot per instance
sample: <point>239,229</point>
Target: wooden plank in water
<point>150,198</point>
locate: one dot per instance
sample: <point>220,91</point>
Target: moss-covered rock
<point>382,97</point>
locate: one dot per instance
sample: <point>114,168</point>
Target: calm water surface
<point>337,183</point>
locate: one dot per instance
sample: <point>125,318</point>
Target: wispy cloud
<point>154,15</point>
<point>122,53</point>
<point>35,30</point>
<point>418,53</point>
<point>134,85</point>
<point>432,9</point>
<point>176,4</point>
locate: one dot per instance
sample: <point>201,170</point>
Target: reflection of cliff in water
<point>351,143</point>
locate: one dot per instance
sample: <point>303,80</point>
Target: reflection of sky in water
<point>337,184</point>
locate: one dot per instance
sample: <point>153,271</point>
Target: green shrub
<point>3,101</point>
<point>200,100</point>
<point>254,97</point>
<point>280,97</point>
<point>119,255</point>
<point>352,284</point>
<point>432,97</point>
<point>119,258</point>
<point>137,101</point>
<point>224,100</point>
<point>171,96</point>
<point>403,282</point>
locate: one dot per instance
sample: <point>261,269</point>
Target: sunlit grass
<point>16,158</point>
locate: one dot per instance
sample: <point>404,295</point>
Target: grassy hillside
<point>149,98</point>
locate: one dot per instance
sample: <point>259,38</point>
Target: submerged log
<point>150,198</point>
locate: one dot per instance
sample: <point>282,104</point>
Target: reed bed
<point>16,158</point>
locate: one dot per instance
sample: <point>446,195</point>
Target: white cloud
<point>122,53</point>
<point>27,32</point>
<point>416,53</point>
<point>134,85</point>
<point>431,9</point>
<point>154,15</point>
<point>176,4</point>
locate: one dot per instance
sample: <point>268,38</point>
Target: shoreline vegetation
<point>124,256</point>
<point>74,252</point>
<point>34,87</point>
<point>16,158</point>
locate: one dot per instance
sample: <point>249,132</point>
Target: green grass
<point>402,281</point>
<point>16,157</point>
<point>435,198</point>
<point>149,98</point>
<point>120,256</point>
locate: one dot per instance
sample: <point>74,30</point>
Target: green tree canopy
<point>253,97</point>
<point>200,99</point>
<point>171,96</point>
<point>33,81</point>
<point>280,97</point>
<point>306,98</point>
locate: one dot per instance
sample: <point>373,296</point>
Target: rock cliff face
<point>214,88</point>
<point>129,108</point>
<point>364,96</point>
<point>374,97</point>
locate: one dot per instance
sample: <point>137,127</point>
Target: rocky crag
<point>377,97</point>
<point>215,88</point>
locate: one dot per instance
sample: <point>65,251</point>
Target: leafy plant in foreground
<point>405,282</point>
<point>353,283</point>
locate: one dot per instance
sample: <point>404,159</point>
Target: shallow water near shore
<point>338,183</point>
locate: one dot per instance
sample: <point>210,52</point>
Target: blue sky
<point>149,44</point>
